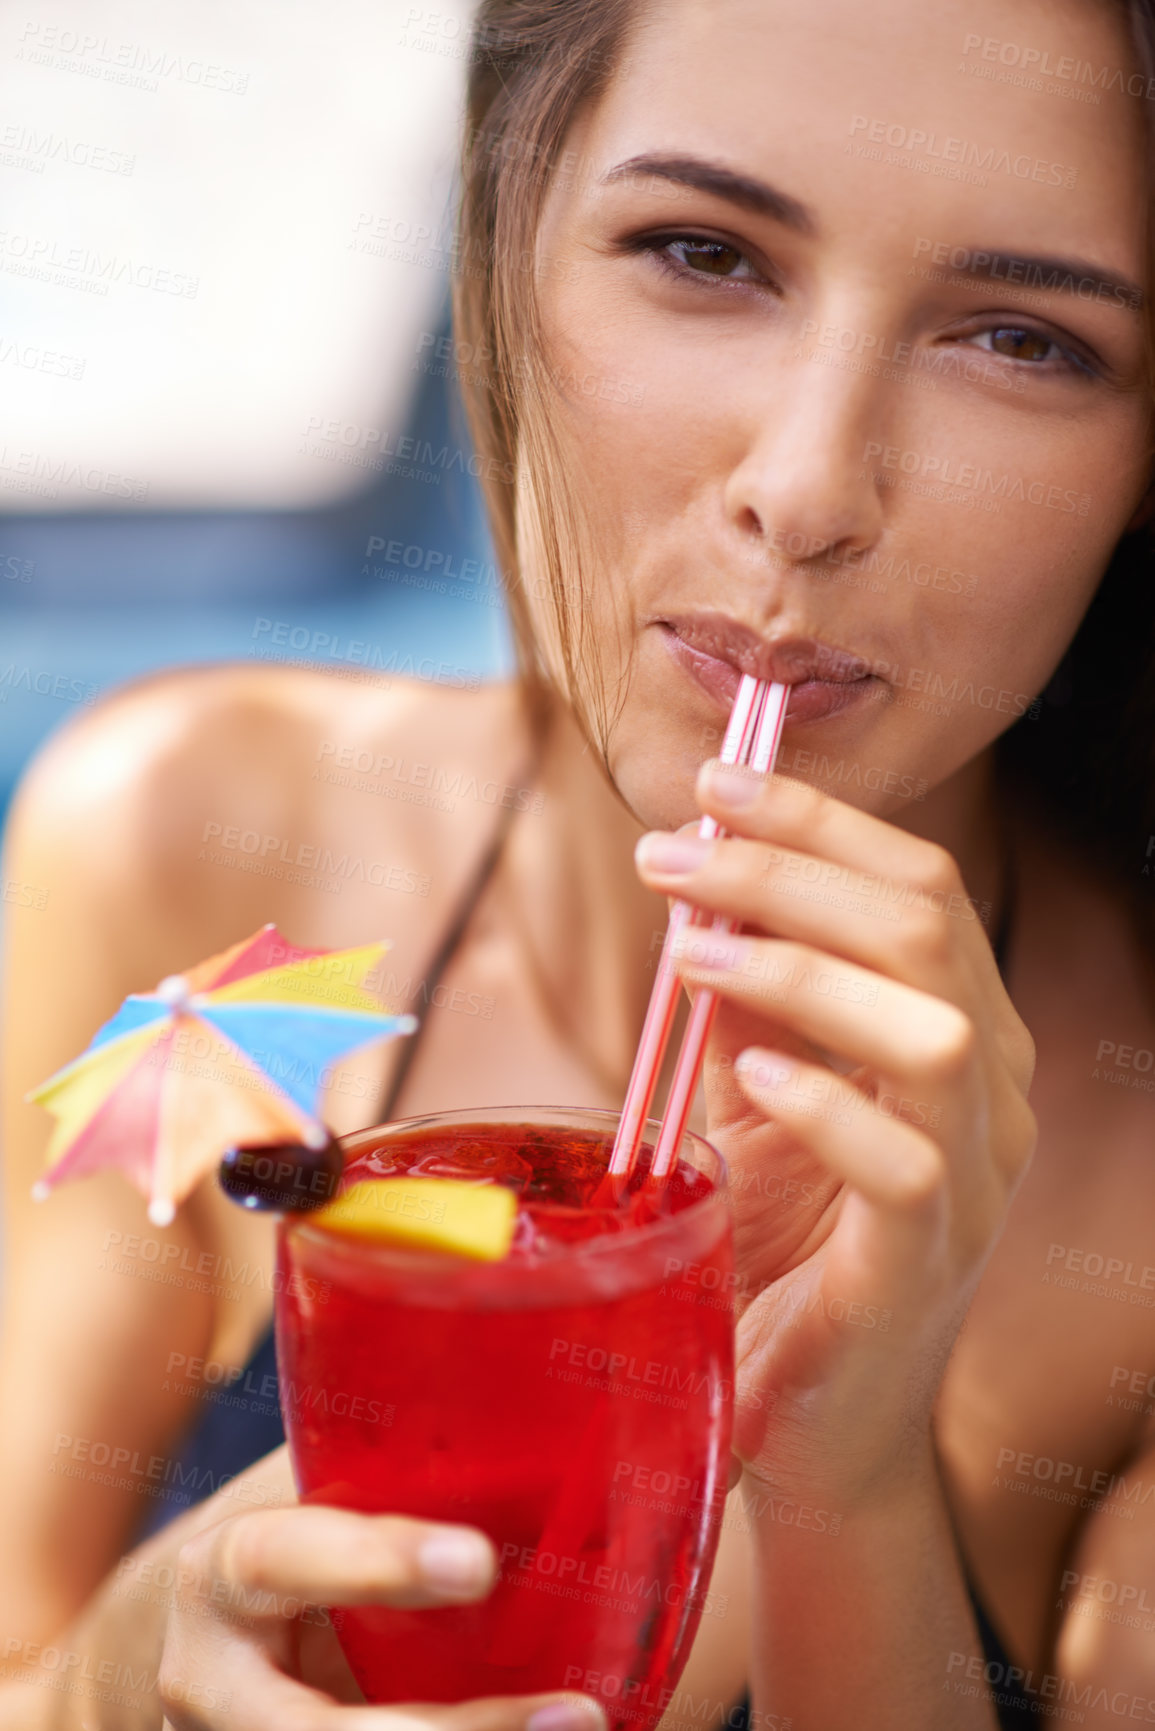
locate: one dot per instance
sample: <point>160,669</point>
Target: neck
<point>591,930</point>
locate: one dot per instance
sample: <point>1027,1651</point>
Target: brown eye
<point>710,257</point>
<point>1021,345</point>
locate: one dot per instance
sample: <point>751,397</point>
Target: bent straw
<point>664,997</point>
<point>705,1006</point>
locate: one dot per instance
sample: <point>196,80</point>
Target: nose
<point>802,488</point>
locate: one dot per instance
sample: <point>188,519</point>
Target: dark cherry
<point>282,1177</point>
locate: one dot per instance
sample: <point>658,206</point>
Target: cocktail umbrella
<point>228,1054</point>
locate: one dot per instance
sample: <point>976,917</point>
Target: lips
<point>716,651</point>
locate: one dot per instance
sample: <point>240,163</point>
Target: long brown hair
<point>1084,754</point>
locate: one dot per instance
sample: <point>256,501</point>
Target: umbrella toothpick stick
<point>145,1099</point>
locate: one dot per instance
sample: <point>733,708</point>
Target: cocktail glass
<point>572,1400</point>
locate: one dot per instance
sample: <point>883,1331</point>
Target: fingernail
<point>732,786</point>
<point>763,1068</point>
<point>673,855</point>
<point>562,1717</point>
<point>704,949</point>
<point>456,1562</point>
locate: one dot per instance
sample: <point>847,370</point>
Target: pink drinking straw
<point>664,997</point>
<point>768,737</point>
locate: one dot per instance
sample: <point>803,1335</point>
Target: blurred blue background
<point>229,422</point>
<point>400,575</point>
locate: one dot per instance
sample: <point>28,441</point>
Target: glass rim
<point>606,1244</point>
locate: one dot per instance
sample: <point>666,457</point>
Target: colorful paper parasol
<point>229,1053</point>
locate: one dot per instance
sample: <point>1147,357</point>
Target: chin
<point>659,787</point>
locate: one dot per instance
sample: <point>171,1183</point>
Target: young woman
<point>809,340</point>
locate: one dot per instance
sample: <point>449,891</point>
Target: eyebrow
<point>1073,276</point>
<point>714,177</point>
<point>1053,275</point>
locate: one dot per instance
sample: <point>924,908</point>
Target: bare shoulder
<point>211,795</point>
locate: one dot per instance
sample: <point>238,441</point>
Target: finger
<point>898,930</point>
<point>249,1692</point>
<point>777,808</point>
<point>907,1035</point>
<point>335,1557</point>
<point>560,1712</point>
<point>888,1161</point>
<point>877,860</point>
<point>230,1685</point>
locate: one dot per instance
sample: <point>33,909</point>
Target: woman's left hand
<point>868,1196</point>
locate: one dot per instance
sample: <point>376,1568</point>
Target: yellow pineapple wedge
<point>448,1214</point>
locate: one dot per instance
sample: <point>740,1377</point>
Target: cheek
<point>627,401</point>
<point>999,559</point>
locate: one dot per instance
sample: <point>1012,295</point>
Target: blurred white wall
<point>221,222</point>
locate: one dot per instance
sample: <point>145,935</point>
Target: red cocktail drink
<point>572,1400</point>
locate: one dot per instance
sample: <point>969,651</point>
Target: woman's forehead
<point>1008,125</point>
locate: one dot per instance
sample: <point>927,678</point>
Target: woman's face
<point>840,301</point>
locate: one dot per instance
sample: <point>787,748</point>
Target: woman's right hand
<point>248,1647</point>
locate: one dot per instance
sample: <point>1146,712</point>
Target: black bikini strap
<point>474,890</point>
